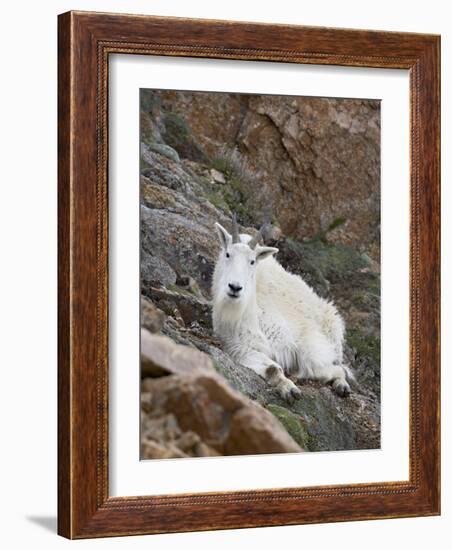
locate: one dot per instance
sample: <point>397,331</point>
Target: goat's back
<point>289,297</point>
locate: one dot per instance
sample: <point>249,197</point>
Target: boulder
<point>160,356</point>
<point>193,409</point>
<point>152,318</point>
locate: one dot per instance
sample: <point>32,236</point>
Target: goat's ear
<point>225,237</point>
<point>263,252</point>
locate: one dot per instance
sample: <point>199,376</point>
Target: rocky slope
<point>190,410</point>
<point>204,156</point>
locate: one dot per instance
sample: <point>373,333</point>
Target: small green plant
<point>336,223</point>
<point>366,345</point>
<point>238,174</point>
<point>294,425</point>
<point>232,163</point>
<point>176,128</point>
<point>178,135</point>
<point>322,235</point>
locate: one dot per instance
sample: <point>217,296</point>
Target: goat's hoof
<point>295,392</point>
<point>289,392</point>
<point>341,388</point>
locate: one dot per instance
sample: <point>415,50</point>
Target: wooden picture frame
<point>85,42</point>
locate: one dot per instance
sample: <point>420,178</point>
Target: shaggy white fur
<point>272,322</point>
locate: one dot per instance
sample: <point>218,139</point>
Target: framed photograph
<point>248,275</point>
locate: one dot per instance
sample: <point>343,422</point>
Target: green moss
<point>293,424</point>
<point>333,261</point>
<point>228,197</point>
<point>176,128</point>
<point>216,198</point>
<point>366,300</point>
<point>336,223</point>
<point>223,165</point>
<point>366,346</point>
<point>238,174</point>
<point>323,234</point>
<point>178,135</point>
<point>234,196</point>
<point>149,101</point>
<point>233,164</point>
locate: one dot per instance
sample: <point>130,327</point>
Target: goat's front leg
<point>273,373</point>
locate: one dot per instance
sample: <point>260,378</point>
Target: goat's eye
<point>253,262</point>
<point>228,255</point>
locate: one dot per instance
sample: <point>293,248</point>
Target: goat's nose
<point>235,287</point>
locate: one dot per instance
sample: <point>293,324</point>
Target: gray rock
<point>218,177</point>
<point>162,149</point>
<point>180,241</point>
<point>190,307</point>
<point>154,268</point>
<point>152,318</point>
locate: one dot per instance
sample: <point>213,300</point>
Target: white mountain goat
<point>271,321</point>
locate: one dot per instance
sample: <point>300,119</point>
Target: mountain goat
<point>271,321</point>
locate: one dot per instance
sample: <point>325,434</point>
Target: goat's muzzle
<point>234,290</point>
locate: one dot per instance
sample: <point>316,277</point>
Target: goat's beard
<point>233,308</point>
<point>238,301</point>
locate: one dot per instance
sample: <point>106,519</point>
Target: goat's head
<point>237,262</point>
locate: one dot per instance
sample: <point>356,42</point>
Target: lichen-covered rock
<point>164,150</point>
<point>294,424</point>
